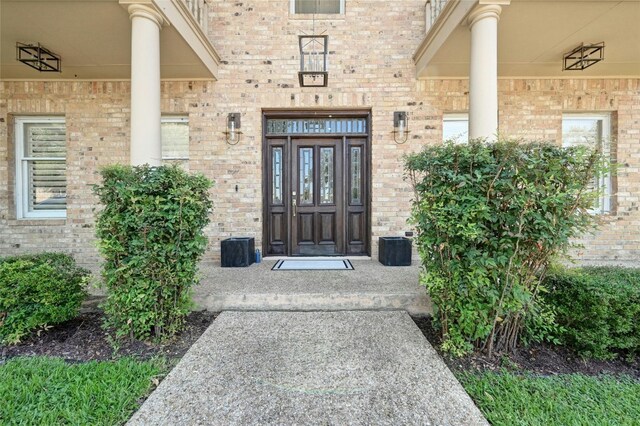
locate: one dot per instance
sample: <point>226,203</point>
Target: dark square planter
<point>237,252</point>
<point>394,251</point>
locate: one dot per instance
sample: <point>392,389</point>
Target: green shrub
<point>599,308</point>
<point>489,217</point>
<point>151,236</point>
<point>37,291</point>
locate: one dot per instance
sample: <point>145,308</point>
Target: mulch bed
<point>540,359</point>
<point>84,339</point>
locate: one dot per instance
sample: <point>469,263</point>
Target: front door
<point>316,186</point>
<point>316,197</point>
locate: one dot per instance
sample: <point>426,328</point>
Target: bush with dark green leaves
<point>150,233</point>
<point>489,219</point>
<point>37,291</point>
<point>599,309</point>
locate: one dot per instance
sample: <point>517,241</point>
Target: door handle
<point>294,206</point>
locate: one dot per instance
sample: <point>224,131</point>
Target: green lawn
<point>50,391</point>
<point>572,399</point>
<point>44,390</point>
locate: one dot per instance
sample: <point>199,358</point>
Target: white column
<point>483,72</point>
<point>146,144</point>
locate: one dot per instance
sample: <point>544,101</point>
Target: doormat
<point>312,265</point>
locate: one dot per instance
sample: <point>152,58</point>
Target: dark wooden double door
<point>316,196</point>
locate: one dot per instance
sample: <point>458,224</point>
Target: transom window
<point>455,127</point>
<point>316,125</point>
<point>317,6</point>
<point>593,131</point>
<point>41,161</point>
<point>175,140</point>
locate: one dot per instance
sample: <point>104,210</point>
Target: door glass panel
<point>276,190</point>
<point>356,173</point>
<point>306,175</point>
<point>326,176</point>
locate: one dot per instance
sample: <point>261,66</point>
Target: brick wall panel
<point>370,67</point>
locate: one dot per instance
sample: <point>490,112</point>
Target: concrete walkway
<point>302,368</point>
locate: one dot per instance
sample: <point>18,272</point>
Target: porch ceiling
<point>533,35</point>
<point>93,37</point>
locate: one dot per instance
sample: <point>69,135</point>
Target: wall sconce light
<point>400,127</point>
<point>233,128</point>
<point>38,57</point>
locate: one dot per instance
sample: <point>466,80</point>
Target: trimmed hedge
<point>489,218</point>
<point>599,308</point>
<point>150,233</point>
<point>38,290</point>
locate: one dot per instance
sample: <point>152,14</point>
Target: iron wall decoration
<point>583,57</point>
<point>313,60</point>
<point>38,57</point>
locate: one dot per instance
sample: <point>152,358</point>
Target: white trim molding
<point>451,16</point>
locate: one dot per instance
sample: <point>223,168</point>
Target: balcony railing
<point>200,11</point>
<point>433,9</point>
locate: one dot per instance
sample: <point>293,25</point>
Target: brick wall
<point>370,68</point>
<point>370,64</point>
<point>532,109</point>
<point>97,123</point>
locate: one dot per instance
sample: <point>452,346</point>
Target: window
<point>175,141</point>
<point>41,182</point>
<point>455,127</point>
<point>594,131</point>
<point>317,6</point>
<point>316,125</point>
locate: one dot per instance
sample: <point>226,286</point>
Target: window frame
<point>455,116</point>
<point>605,204</point>
<point>21,169</point>
<point>292,9</point>
<point>173,119</point>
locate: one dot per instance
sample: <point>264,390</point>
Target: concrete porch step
<point>370,286</point>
